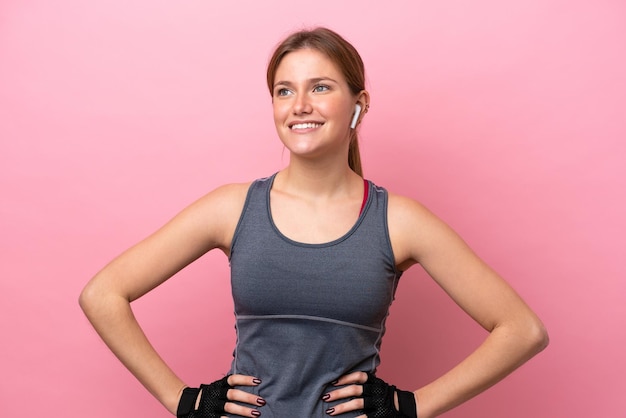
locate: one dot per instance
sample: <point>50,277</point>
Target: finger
<point>344,392</point>
<point>354,377</point>
<point>243,380</point>
<point>244,397</point>
<point>234,409</point>
<point>342,408</point>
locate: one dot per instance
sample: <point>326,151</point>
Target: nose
<point>302,105</point>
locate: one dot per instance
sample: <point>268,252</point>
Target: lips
<point>305,125</point>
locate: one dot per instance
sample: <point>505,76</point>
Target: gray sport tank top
<point>308,313</point>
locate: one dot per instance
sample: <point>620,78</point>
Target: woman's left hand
<point>372,396</point>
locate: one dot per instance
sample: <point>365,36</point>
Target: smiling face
<point>313,104</point>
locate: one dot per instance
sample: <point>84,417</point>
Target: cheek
<point>339,105</point>
<point>339,111</point>
<point>280,112</point>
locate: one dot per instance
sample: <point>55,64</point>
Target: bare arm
<point>206,224</point>
<point>515,333</point>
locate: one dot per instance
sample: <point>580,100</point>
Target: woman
<point>316,252</point>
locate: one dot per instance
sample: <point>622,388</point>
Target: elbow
<point>528,335</point>
<point>542,339</point>
<point>93,298</point>
<point>87,298</point>
<point>100,300</point>
<point>537,335</point>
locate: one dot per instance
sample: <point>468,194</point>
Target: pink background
<point>505,118</point>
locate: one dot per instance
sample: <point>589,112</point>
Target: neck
<point>302,178</point>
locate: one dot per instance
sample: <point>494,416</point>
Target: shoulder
<point>400,207</point>
<point>226,197</point>
<point>214,216</point>
<point>413,229</point>
<point>410,213</point>
<point>225,201</point>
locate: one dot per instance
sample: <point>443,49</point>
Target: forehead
<point>305,64</point>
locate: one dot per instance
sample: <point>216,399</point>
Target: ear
<point>363,100</point>
<point>356,115</point>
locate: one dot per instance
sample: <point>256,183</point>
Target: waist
<point>297,359</point>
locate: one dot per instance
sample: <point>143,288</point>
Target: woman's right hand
<point>212,401</point>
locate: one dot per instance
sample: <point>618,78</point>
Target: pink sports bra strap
<point>366,190</point>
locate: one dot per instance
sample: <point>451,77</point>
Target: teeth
<point>306,125</point>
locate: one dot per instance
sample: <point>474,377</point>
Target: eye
<point>282,92</point>
<point>320,88</point>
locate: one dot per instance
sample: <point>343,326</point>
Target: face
<point>313,105</point>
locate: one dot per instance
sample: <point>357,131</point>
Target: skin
<point>316,199</point>
<point>317,185</point>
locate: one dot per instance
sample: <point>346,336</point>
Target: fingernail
<point>260,401</point>
<point>326,397</point>
<point>330,411</point>
<point>255,413</point>
<point>334,382</point>
<point>257,381</point>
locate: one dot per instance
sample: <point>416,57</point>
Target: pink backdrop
<point>505,118</point>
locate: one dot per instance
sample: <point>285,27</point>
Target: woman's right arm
<point>206,224</point>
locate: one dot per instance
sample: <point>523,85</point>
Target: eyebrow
<point>311,81</point>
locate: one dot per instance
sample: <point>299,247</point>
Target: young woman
<point>316,253</point>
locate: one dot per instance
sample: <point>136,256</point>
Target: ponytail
<point>354,155</point>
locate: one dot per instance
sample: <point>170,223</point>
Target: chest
<point>337,282</point>
<point>349,275</point>
<point>313,222</point>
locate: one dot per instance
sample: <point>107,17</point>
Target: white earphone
<point>355,118</point>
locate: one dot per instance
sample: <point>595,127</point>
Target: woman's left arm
<point>515,333</point>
